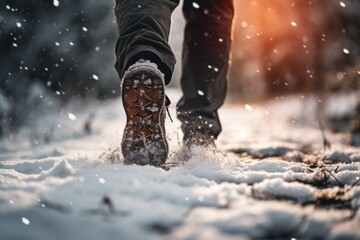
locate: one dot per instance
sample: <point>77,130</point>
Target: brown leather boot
<point>143,94</point>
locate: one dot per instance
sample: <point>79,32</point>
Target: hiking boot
<point>199,139</point>
<point>195,142</point>
<point>143,95</point>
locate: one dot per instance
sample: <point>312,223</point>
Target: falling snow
<point>248,107</point>
<point>56,3</point>
<point>95,77</point>
<point>195,5</point>
<point>102,181</point>
<point>25,221</point>
<point>72,116</point>
<point>207,183</point>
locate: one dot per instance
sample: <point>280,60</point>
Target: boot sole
<point>144,141</point>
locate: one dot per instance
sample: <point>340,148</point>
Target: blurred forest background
<point>53,51</point>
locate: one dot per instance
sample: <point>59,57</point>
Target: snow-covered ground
<point>57,182</point>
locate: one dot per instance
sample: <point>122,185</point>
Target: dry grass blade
<point>326,142</point>
<point>333,176</point>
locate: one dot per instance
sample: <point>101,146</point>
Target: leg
<point>144,27</point>
<point>207,43</point>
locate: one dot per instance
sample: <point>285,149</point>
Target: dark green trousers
<point>144,27</point>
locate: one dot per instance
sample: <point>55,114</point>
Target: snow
<point>95,77</point>
<point>72,116</point>
<point>143,63</point>
<point>248,107</point>
<point>195,5</point>
<point>278,188</point>
<point>56,3</point>
<point>75,186</point>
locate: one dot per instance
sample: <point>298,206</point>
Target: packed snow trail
<point>279,183</point>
